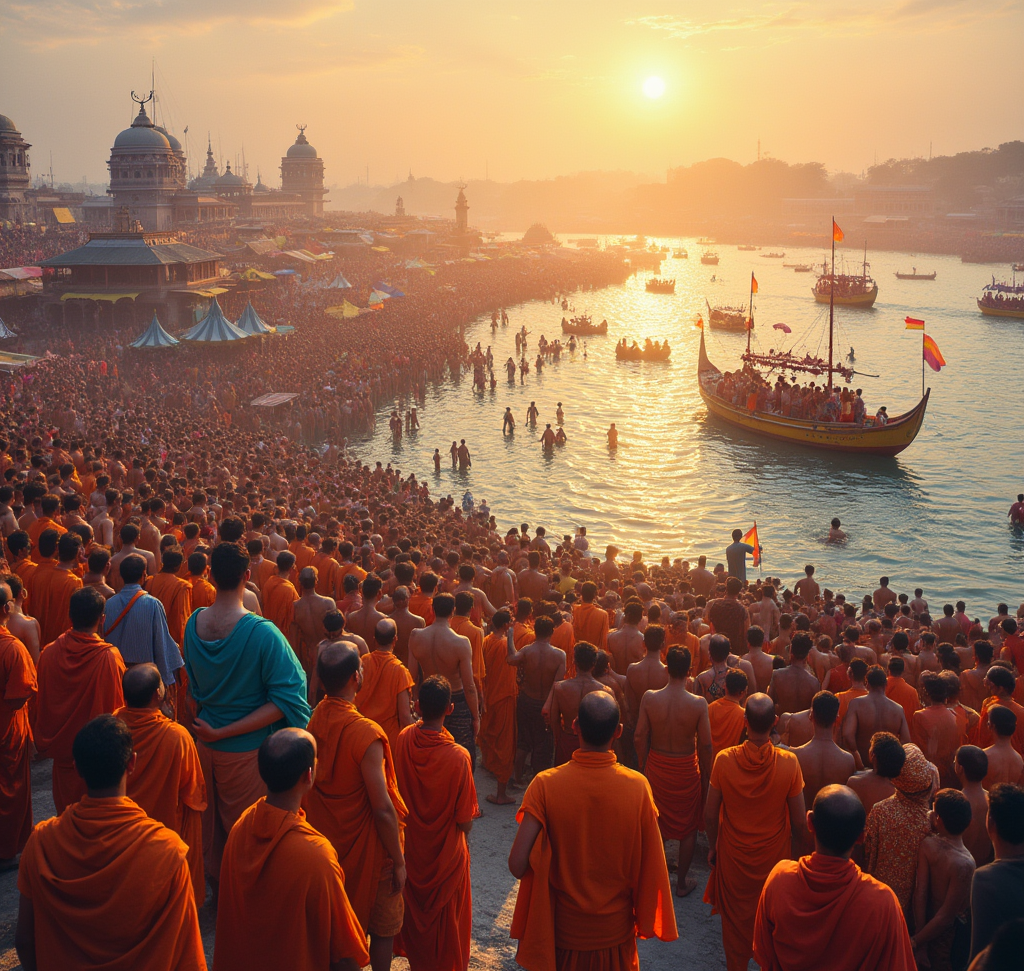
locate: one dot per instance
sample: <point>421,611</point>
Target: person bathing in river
<point>835,534</point>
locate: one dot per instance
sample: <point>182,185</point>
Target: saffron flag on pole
<point>837,233</point>
<point>699,322</point>
<point>932,354</point>
<point>913,323</point>
<point>751,537</point>
<point>753,283</point>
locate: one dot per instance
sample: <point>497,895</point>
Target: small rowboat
<point>914,275</point>
<point>583,326</point>
<point>634,352</point>
<point>657,285</point>
<point>709,259</point>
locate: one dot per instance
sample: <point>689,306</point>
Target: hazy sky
<point>518,89</point>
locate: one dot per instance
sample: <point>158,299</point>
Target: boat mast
<point>831,303</point>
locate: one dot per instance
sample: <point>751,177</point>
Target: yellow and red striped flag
<point>913,323</point>
<point>751,537</point>
<point>837,233</point>
<point>932,354</point>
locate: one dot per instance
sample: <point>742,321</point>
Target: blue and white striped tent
<point>251,323</point>
<point>215,328</point>
<point>154,336</point>
<point>339,283</point>
<point>5,331</point>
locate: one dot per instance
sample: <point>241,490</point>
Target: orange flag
<point>837,233</point>
<point>753,283</point>
<point>751,537</point>
<point>699,322</point>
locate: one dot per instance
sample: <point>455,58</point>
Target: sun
<point>654,87</point>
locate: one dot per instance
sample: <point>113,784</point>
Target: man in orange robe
<point>498,722</point>
<point>17,691</point>
<point>435,777</point>
<point>174,593</point>
<point>302,551</point>
<point>282,897</point>
<point>279,596</point>
<point>462,624</point>
<point>51,506</point>
<point>589,621</point>
<point>726,714</point>
<point>79,678</point>
<point>52,590</point>
<point>421,602</point>
<point>570,913</point>
<point>327,567</point>
<point>203,592</point>
<point>386,692</point>
<point>20,548</point>
<point>813,912</point>
<point>355,800</point>
<point>755,806</point>
<point>103,885</point>
<point>168,780</point>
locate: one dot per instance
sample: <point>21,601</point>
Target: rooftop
<point>131,249</point>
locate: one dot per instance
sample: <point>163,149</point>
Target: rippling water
<point>680,482</point>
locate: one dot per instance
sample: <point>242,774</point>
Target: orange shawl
<point>384,679</point>
<point>176,596</point>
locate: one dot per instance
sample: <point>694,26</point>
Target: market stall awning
<point>109,297</point>
<point>10,362</point>
<point>273,399</point>
<point>63,216</point>
<point>344,309</point>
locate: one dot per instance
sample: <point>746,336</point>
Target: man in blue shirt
<point>736,555</point>
<point>246,682</point>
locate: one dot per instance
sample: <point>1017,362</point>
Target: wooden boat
<point>803,268</point>
<point>773,256</point>
<point>583,326</point>
<point>746,248</point>
<point>649,352</point>
<point>732,319</point>
<point>1002,300</point>
<point>889,439</point>
<point>846,289</point>
<point>658,285</point>
<point>914,275</point>
<point>708,258</point>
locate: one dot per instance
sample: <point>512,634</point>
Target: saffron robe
<point>384,679</point>
<point>17,684</point>
<point>498,722</point>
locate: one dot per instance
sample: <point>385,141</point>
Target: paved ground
<point>494,894</point>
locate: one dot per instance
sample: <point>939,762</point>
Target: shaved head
<point>760,713</point>
<point>385,632</point>
<point>307,577</point>
<point>139,684</point>
<point>285,757</point>
<point>598,718</point>
<point>838,819</point>
<point>336,666</point>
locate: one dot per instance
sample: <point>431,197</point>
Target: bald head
<point>598,718</point>
<point>400,595</point>
<point>285,759</point>
<point>336,666</point>
<point>385,633</point>
<point>837,820</point>
<point>307,577</point>
<point>760,713</point>
<point>141,686</point>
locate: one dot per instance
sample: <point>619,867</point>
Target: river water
<point>679,482</point>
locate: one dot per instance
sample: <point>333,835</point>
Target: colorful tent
<point>339,283</point>
<point>155,336</point>
<point>344,309</point>
<point>389,290</point>
<point>215,328</point>
<point>5,331</point>
<point>377,298</point>
<point>251,323</point>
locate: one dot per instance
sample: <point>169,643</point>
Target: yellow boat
<point>889,439</point>
<point>990,311</point>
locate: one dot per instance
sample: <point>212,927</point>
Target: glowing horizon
<point>515,90</point>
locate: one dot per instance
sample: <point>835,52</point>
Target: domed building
<point>302,174</point>
<point>206,181</point>
<point>146,171</point>
<point>15,176</point>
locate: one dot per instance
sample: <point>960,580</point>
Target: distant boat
<point>1018,267</point>
<point>705,241</point>
<point>773,256</point>
<point>733,319</point>
<point>747,248</point>
<point>846,289</point>
<point>708,258</point>
<point>680,254</point>
<point>803,268</point>
<point>583,326</point>
<point>914,275</point>
<point>658,285</point>
<point>1002,300</point>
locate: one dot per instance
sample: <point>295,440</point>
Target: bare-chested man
<point>8,524</point>
<point>873,713</point>
<point>565,701</point>
<point>129,538</point>
<point>149,530</point>
<point>504,591</point>
<point>796,728</point>
<point>364,619</point>
<point>626,645</point>
<point>25,628</point>
<point>541,665</point>
<point>437,649</point>
<point>899,646</point>
<point>482,608</point>
<point>972,682</point>
<point>942,890</point>
<point>1004,764</point>
<point>758,659</point>
<point>886,756</point>
<point>807,589</point>
<point>710,684</point>
<point>98,569</point>
<point>971,768</point>
<point>609,678</point>
<point>533,582</point>
<point>405,621</point>
<point>793,687</point>
<point>822,762</point>
<point>673,743</point>
<point>310,610</point>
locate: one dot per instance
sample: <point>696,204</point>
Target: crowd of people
<point>264,675</point>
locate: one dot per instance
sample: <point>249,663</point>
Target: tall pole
<point>831,303</point>
<point>750,316</point>
<point>922,362</point>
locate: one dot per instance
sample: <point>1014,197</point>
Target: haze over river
<point>679,482</point>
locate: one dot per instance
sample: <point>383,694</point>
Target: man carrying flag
<point>736,552</point>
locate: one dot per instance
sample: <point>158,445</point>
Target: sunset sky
<point>526,89</point>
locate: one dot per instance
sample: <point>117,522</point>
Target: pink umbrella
<point>785,328</point>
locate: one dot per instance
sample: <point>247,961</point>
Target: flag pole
<point>760,572</point>
<point>922,362</point>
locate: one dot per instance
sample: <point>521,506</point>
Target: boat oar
<point>864,374</point>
